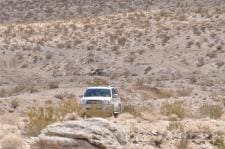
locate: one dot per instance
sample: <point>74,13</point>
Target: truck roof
<point>100,87</point>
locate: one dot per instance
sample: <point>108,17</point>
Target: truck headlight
<point>82,102</point>
<point>106,102</point>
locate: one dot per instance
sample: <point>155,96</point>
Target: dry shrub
<point>183,143</point>
<point>173,108</point>
<point>32,89</point>
<point>95,112</point>
<point>40,117</point>
<point>220,63</point>
<point>175,126</point>
<point>9,119</point>
<point>49,55</point>
<point>212,54</point>
<point>184,92</point>
<point>71,116</point>
<point>219,142</point>
<point>121,41</point>
<point>139,82</point>
<point>193,79</point>
<point>158,92</point>
<point>212,111</point>
<point>189,44</point>
<point>130,58</point>
<point>18,88</point>
<point>140,52</point>
<point>66,106</point>
<point>64,95</point>
<point>149,68</point>
<point>164,37</point>
<point>223,100</point>
<point>98,82</point>
<point>200,62</point>
<point>207,82</point>
<point>3,93</point>
<point>164,93</point>
<point>14,103</point>
<point>53,84</point>
<point>135,110</point>
<point>59,96</point>
<point>12,142</point>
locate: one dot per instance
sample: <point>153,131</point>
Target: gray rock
<point>93,133</point>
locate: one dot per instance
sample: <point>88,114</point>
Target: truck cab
<point>101,98</point>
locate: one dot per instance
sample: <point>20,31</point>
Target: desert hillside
<point>45,10</point>
<point>167,57</point>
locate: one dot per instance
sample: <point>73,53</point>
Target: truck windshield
<point>97,93</point>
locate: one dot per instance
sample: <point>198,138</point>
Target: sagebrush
<point>40,117</point>
<point>173,108</point>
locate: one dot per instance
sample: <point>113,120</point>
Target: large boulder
<point>93,133</point>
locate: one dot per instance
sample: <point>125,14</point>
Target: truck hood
<point>96,98</point>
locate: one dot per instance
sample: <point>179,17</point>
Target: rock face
<point>94,133</point>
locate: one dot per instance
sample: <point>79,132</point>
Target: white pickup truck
<point>101,98</point>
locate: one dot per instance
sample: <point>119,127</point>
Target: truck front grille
<point>94,102</point>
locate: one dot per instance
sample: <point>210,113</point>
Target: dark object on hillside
<point>97,72</point>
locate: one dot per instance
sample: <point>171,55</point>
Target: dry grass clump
<point>3,92</point>
<point>189,44</point>
<point>121,41</point>
<point>219,142</point>
<point>40,117</point>
<point>139,82</point>
<point>164,37</point>
<point>184,91</point>
<point>220,63</point>
<point>200,62</point>
<point>158,92</point>
<point>134,110</point>
<point>12,141</point>
<point>164,93</point>
<point>64,95</point>
<point>53,84</point>
<point>173,125</point>
<point>18,88</point>
<point>14,103</point>
<point>223,100</point>
<point>183,143</point>
<point>130,58</point>
<point>212,111</point>
<point>173,108</point>
<point>212,54</point>
<point>98,82</point>
<point>95,112</point>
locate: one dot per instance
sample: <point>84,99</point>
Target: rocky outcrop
<point>93,133</point>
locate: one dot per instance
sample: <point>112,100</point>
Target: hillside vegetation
<point>167,57</point>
